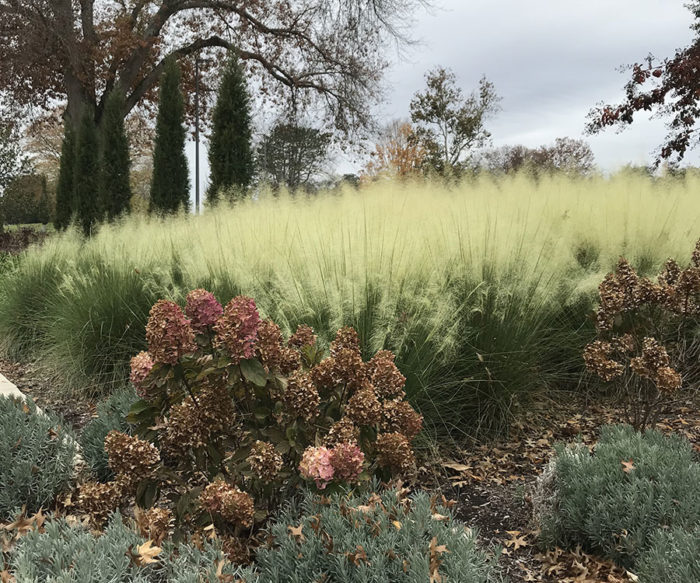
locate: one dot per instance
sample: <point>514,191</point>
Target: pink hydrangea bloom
<point>141,365</point>
<point>347,460</point>
<point>237,329</point>
<point>168,333</point>
<point>202,309</point>
<point>316,465</point>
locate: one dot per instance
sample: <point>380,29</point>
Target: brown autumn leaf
<point>358,557</point>
<point>457,467</point>
<point>627,467</point>
<point>516,540</point>
<point>145,554</point>
<point>435,551</point>
<point>6,576</point>
<point>296,532</point>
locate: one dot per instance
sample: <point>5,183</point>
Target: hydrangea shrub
<point>646,343</point>
<point>232,416</point>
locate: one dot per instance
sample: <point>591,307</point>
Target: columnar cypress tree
<point>65,186</point>
<point>87,174</point>
<point>170,187</point>
<point>115,163</point>
<point>230,150</point>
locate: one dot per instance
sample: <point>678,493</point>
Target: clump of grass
<point>482,291</point>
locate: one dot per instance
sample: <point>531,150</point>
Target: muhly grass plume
<point>482,291</point>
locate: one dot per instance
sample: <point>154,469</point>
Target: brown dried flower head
<point>670,273</point>
<point>323,374</point>
<point>364,408</point>
<point>269,345</point>
<point>231,503</point>
<point>99,500</point>
<point>394,452</point>
<point>345,339</point>
<point>301,397</point>
<point>168,333</point>
<point>667,379</point>
<point>343,431</point>
<point>400,417</point>
<point>131,457</point>
<point>265,461</point>
<point>304,336</point>
<point>154,523</point>
<point>193,425</point>
<point>290,360</point>
<point>385,375</point>
<point>349,369</point>
<point>597,356</point>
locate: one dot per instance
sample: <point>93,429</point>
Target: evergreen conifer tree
<point>65,186</point>
<point>87,174</point>
<point>230,150</point>
<point>170,186</point>
<point>115,162</point>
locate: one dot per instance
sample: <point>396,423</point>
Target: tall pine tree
<point>65,188</point>
<point>87,174</point>
<point>170,187</point>
<point>115,162</point>
<point>230,150</point>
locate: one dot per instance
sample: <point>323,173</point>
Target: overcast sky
<point>550,60</point>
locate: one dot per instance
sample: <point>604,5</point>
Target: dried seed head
<point>400,417</point>
<point>269,345</point>
<point>231,503</point>
<point>304,336</point>
<point>385,376</point>
<point>237,329</point>
<point>131,458</point>
<point>364,408</point>
<point>343,431</point>
<point>168,333</point>
<point>394,452</point>
<point>301,397</point>
<point>265,461</point>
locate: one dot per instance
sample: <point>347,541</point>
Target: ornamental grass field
<point>483,291</point>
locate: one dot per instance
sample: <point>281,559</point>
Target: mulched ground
<point>489,483</point>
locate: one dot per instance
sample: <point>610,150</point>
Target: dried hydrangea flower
<point>345,339</point>
<point>231,503</point>
<point>301,397</point>
<point>130,457</point>
<point>670,273</point>
<point>99,500</point>
<point>141,366</point>
<point>168,333</point>
<point>347,460</point>
<point>269,345</point>
<point>668,379</point>
<point>597,357</point>
<point>400,417</point>
<point>364,408</point>
<point>154,523</point>
<point>265,461</point>
<point>191,425</point>
<point>316,465</point>
<point>695,258</point>
<point>290,360</point>
<point>304,336</point>
<point>235,550</point>
<point>203,310</point>
<point>394,452</point>
<point>342,431</point>
<point>323,374</point>
<point>349,369</point>
<point>385,376</point>
<point>237,329</point>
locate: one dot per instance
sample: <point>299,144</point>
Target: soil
<point>488,484</point>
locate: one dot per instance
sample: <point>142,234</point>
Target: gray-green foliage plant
<point>72,554</point>
<point>387,538</point>
<point>673,557</point>
<point>111,415</point>
<point>36,457</point>
<point>612,502</point>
